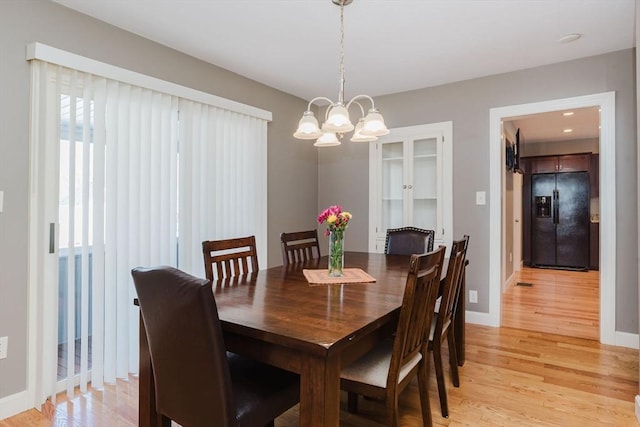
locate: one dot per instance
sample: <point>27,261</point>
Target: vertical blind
<point>150,176</point>
<point>223,185</point>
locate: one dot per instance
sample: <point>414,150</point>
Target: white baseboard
<point>14,404</point>
<point>511,281</point>
<point>638,407</point>
<point>626,339</point>
<point>479,318</point>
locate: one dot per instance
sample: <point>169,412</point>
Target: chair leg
<point>423,387</point>
<point>393,419</point>
<point>453,358</point>
<point>442,391</point>
<point>352,402</point>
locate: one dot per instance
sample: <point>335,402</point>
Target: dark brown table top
<point>279,306</point>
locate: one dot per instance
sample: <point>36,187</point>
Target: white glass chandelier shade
<point>374,124</point>
<point>358,136</point>
<point>337,119</point>
<point>308,127</point>
<point>328,139</point>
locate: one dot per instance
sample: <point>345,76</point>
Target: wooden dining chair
<point>408,241</point>
<point>442,325</point>
<point>197,382</point>
<point>386,370</point>
<point>230,257</point>
<point>456,301</point>
<point>299,246</point>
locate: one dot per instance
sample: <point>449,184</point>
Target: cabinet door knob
<point>410,186</point>
<point>404,186</point>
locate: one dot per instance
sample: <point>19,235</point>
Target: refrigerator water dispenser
<point>543,206</point>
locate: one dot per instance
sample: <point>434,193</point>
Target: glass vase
<point>336,253</point>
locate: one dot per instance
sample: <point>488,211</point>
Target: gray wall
<point>342,169</point>
<point>292,165</point>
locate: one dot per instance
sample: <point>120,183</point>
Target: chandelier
<point>337,121</point>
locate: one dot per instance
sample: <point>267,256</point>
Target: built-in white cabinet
<point>410,182</point>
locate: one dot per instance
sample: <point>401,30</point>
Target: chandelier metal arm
<point>353,101</point>
<point>318,98</point>
<point>359,97</point>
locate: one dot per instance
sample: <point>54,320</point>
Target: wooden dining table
<point>277,317</point>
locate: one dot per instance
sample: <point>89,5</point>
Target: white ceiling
<point>390,45</point>
<point>583,123</point>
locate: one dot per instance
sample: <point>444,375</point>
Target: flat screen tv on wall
<point>512,154</point>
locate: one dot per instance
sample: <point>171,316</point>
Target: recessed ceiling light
<point>569,38</point>
<point>567,130</point>
<point>568,113</point>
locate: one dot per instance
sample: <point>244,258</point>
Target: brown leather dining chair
<point>198,383</point>
<point>442,326</point>
<point>386,370</point>
<point>299,246</point>
<point>408,241</point>
<point>230,257</point>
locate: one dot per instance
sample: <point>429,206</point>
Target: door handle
<point>52,237</point>
<point>556,207</point>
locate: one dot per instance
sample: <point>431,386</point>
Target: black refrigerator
<point>560,220</point>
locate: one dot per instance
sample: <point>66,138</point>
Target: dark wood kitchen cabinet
<point>565,163</point>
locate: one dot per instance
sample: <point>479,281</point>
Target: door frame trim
<point>606,102</point>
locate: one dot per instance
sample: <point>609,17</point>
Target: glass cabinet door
<point>425,185</point>
<point>392,215</point>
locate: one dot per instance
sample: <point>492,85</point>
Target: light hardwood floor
<point>560,302</point>
<point>512,377</point>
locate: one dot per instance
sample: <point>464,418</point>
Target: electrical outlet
<point>473,297</point>
<point>4,343</point>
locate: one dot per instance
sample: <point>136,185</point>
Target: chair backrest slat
<point>299,246</point>
<point>239,257</point>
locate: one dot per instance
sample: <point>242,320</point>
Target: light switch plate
<point>473,297</point>
<point>481,198</point>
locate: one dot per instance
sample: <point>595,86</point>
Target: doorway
<point>556,149</point>
<point>606,104</point>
